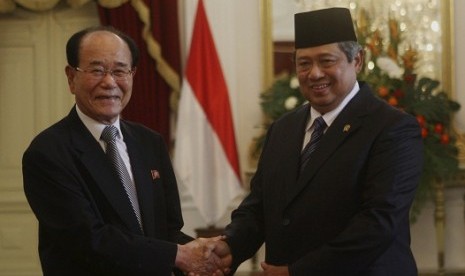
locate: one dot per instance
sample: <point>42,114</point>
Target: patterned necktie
<point>319,126</point>
<point>109,135</point>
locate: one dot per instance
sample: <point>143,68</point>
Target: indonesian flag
<point>206,159</point>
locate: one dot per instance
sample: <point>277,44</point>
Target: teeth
<point>320,86</point>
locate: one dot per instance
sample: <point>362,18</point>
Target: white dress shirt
<point>327,117</point>
<point>96,128</point>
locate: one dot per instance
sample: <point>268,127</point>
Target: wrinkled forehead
<point>102,38</point>
<point>104,47</point>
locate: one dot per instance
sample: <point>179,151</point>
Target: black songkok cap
<point>315,28</point>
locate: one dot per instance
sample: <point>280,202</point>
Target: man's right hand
<point>204,256</point>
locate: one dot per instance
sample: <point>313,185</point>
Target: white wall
<point>33,95</point>
<point>424,240</point>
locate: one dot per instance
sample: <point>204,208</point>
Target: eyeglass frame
<point>99,75</point>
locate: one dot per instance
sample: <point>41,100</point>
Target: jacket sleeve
<point>246,232</point>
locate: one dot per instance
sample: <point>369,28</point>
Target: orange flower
<point>383,91</point>
<point>394,29</point>
<point>438,128</point>
<point>424,132</point>
<point>445,139</point>
<point>392,52</point>
<point>375,44</point>
<point>421,120</point>
<point>393,101</point>
<point>409,59</point>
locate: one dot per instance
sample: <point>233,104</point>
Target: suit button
<point>286,222</point>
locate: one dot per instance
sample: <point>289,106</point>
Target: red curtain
<point>150,102</point>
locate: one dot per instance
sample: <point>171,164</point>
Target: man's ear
<point>359,59</point>
<point>70,73</point>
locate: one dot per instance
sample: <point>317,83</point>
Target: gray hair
<point>350,49</point>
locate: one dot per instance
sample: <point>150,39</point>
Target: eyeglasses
<point>98,73</point>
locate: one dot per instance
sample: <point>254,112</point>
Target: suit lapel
<point>94,160</point>
<point>346,123</point>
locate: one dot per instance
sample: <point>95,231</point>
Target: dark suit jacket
<point>86,225</point>
<point>348,212</point>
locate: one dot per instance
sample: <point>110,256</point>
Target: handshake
<point>204,256</point>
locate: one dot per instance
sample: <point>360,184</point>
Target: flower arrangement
<point>392,76</point>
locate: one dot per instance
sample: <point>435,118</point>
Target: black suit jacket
<point>86,224</point>
<point>348,212</point>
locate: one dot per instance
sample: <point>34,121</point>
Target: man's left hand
<point>271,270</point>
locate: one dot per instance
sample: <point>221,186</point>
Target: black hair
<point>74,42</point>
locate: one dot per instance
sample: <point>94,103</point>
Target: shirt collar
<point>329,117</point>
<point>96,127</point>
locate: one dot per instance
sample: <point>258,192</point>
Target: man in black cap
<point>337,176</point>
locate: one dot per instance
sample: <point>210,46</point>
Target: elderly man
<point>103,188</point>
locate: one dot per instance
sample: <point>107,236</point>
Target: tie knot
<point>109,133</point>
<point>319,123</point>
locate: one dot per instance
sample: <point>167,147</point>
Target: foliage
<point>392,76</point>
<point>283,96</point>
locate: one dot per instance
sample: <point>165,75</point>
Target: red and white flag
<point>206,159</point>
